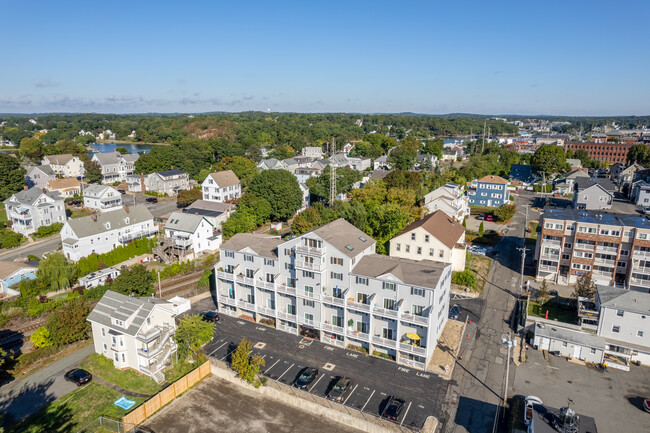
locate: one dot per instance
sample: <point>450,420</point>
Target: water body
<point>110,147</point>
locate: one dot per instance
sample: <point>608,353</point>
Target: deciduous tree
<point>68,324</point>
<point>192,333</point>
<point>280,188</point>
<point>56,273</point>
<point>188,196</point>
<point>12,176</point>
<point>136,279</point>
<point>584,287</point>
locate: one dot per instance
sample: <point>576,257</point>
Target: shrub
<point>481,229</point>
<point>41,337</point>
<point>26,359</point>
<point>33,258</point>
<point>45,231</point>
<point>68,323</point>
<point>9,239</point>
<point>505,212</point>
<point>464,278</point>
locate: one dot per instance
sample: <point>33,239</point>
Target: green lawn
<point>531,235</point>
<point>179,370</point>
<point>72,412</point>
<point>78,213</point>
<point>480,265</point>
<point>489,238</point>
<point>561,313</point>
<point>101,366</point>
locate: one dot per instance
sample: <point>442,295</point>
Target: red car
<point>646,404</point>
<point>489,218</point>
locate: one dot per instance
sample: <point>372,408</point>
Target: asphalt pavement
<point>374,379</point>
<point>37,249</point>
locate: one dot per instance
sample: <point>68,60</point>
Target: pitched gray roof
<point>209,205</point>
<point>107,158</point>
<point>95,190</point>
<point>32,194</point>
<point>570,336</point>
<point>423,273</point>
<point>86,226</point>
<point>59,159</point>
<point>344,237</point>
<point>46,169</point>
<point>225,178</point>
<point>623,299</point>
<point>184,222</point>
<point>131,157</point>
<point>263,245</point>
<point>121,307</point>
<point>172,172</point>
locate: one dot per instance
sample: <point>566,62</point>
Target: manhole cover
<point>301,347</point>
<point>260,345</point>
<point>329,366</point>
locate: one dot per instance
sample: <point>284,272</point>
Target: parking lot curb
<point>315,405</point>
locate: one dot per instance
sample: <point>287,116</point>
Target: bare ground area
<point>216,405</point>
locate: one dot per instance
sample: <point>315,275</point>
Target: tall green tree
<point>136,279</point>
<point>638,153</point>
<point>188,196</point>
<point>93,173</point>
<point>12,176</point>
<point>248,367</point>
<point>549,159</point>
<point>123,150</point>
<point>56,272</point>
<point>192,333</point>
<point>402,158</point>
<point>584,287</point>
<point>280,188</point>
<point>434,147</point>
<point>244,168</point>
<point>68,324</point>
<point>31,148</point>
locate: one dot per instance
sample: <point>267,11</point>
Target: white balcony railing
<point>603,249</point>
<point>225,275</point>
<point>309,295</point>
<point>358,306</point>
<point>304,321</point>
<point>286,316</point>
<point>414,318</point>
<point>266,284</point>
<point>127,237</point>
<point>245,280</point>
<point>247,305</point>
<point>640,282</point>
<point>411,363</point>
<point>598,260</point>
<point>333,328</point>
<point>392,344</point>
<point>287,328</point>
<point>638,253</point>
<point>266,310</point>
<point>283,288</point>
<point>333,300</point>
<point>642,269</point>
<point>358,335</point>
<point>227,300</point>
<point>584,247</point>
<point>551,241</point>
<point>333,341</point>
<point>405,347</point>
<point>548,268</point>
<point>310,266</point>
<point>310,250</point>
<point>385,312</point>
<point>183,242</point>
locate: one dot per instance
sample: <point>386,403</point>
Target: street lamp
<point>510,343</point>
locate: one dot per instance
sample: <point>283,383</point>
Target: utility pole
<point>483,142</point>
<point>159,287</point>
<point>332,174</point>
<point>523,253</point>
<point>505,391</point>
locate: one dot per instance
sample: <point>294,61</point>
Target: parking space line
<point>226,356</point>
<point>314,385</point>
<point>405,413</point>
<point>267,370</point>
<point>352,392</point>
<point>218,348</point>
<point>285,372</point>
<point>364,406</point>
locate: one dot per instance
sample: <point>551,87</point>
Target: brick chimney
<point>25,187</point>
<point>44,190</point>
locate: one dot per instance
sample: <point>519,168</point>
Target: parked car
<point>341,389</point>
<point>454,312</point>
<point>480,217</point>
<point>152,199</point>
<point>78,376</point>
<point>210,316</point>
<point>646,211</point>
<point>477,250</point>
<point>74,203</point>
<point>646,404</point>
<point>489,218</point>
<point>306,378</point>
<point>121,191</point>
<point>393,408</point>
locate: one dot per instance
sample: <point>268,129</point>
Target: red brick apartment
<point>612,152</point>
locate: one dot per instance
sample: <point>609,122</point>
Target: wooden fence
<point>151,406</point>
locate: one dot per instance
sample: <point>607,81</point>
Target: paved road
<point>37,249</point>
<point>375,379</point>
<point>25,397</point>
<point>478,379</point>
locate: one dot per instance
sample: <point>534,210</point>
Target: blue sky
<point>547,57</point>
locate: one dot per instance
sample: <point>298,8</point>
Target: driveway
<point>375,379</point>
<point>25,397</point>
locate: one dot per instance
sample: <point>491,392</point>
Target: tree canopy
<point>549,159</point>
<point>55,272</point>
<point>135,280</point>
<point>280,188</point>
<point>12,176</point>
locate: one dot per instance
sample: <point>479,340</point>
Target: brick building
<point>611,152</point>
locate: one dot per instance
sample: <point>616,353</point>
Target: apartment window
<point>248,258</point>
<point>426,238</point>
<point>398,247</point>
<point>388,334</point>
<point>307,274</point>
<point>269,262</point>
<point>431,252</point>
<point>230,254</point>
<point>362,327</point>
<point>408,248</point>
<point>389,286</point>
<point>417,310</point>
<point>270,278</point>
<point>622,264</point>
<point>114,341</point>
<point>417,292</point>
<point>625,252</point>
<point>592,350</point>
<point>308,303</point>
<point>361,280</point>
<point>116,357</point>
<point>123,357</point>
<point>250,273</point>
<point>567,245</point>
<point>639,333</point>
<point>642,236</point>
<point>105,347</point>
<point>620,313</point>
<point>566,256</point>
<point>412,236</point>
<point>309,290</point>
<point>419,251</point>
<point>309,317</point>
<point>336,276</point>
<point>389,304</point>
<point>289,252</point>
<point>103,332</point>
<point>441,254</point>
<point>336,261</point>
<point>616,329</point>
<point>288,266</point>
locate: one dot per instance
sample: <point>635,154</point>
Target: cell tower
<point>332,174</point>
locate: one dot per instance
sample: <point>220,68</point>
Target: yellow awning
<point>412,336</point>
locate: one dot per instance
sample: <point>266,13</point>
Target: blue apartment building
<point>489,191</point>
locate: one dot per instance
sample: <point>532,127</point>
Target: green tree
<point>41,337</point>
<point>282,152</point>
<point>402,158</point>
<point>188,196</point>
<point>542,293</point>
<point>9,239</point>
<point>259,207</point>
<point>465,278</point>
<point>136,279</point>
<point>584,287</point>
<point>367,149</point>
<point>505,212</point>
<point>247,367</point>
<point>434,147</point>
<point>123,150</point>
<point>93,173</point>
<point>12,176</point>
<point>481,229</point>
<point>192,333</point>
<point>31,148</point>
<point>244,168</point>
<point>583,156</point>
<point>55,272</point>
<point>638,153</point>
<point>241,221</point>
<point>68,323</point>
<point>280,188</point>
<point>549,159</point>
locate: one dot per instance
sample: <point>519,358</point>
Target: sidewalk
<point>30,243</point>
<point>444,356</point>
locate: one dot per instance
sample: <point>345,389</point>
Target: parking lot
<point>374,379</point>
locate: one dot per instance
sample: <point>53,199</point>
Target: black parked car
<point>78,376</point>
<point>341,389</point>
<point>306,378</point>
<point>210,316</point>
<point>393,408</point>
<point>152,200</point>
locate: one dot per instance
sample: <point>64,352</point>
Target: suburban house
<point>450,199</point>
<point>593,193</point>
<point>452,154</point>
<point>490,191</point>
<point>574,163</point>
<point>215,213</point>
<point>312,152</point>
<point>221,186</point>
<point>381,163</point>
<point>291,164</point>
<point>426,161</point>
<point>640,193</point>
<point>569,342</point>
<point>101,233</point>
<point>115,166</point>
<point>39,175</point>
<point>136,333</point>
<point>626,176</point>
<point>103,198</point>
<point>358,163</point>
<point>99,277</point>
<point>437,237</point>
<point>330,285</point>
<point>612,246</point>
<point>189,233</point>
<point>566,185</point>
<point>13,273</point>
<point>271,164</point>
<point>66,187</point>
<point>168,182</point>
<point>30,209</point>
<point>306,197</point>
<point>302,173</point>
<point>65,165</point>
<point>522,173</point>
